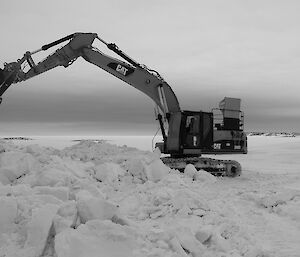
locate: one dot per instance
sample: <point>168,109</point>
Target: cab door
<point>192,135</point>
<point>198,130</point>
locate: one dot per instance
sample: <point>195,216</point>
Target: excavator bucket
<point>1,77</point>
<point>6,79</point>
<point>1,82</point>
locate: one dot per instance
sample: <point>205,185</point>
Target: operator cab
<point>189,134</point>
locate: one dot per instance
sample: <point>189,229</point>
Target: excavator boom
<point>80,45</point>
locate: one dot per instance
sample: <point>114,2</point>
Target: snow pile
<point>200,175</point>
<point>14,165</point>
<point>97,199</point>
<point>99,152</point>
<point>96,238</point>
<point>285,203</point>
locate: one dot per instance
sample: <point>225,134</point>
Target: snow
<point>91,208</point>
<point>93,198</point>
<point>38,228</point>
<point>199,175</point>
<point>108,172</point>
<point>8,213</point>
<point>14,165</point>
<point>96,239</point>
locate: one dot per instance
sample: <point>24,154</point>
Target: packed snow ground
<point>97,199</point>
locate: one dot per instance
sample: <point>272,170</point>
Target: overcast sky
<point>204,49</point>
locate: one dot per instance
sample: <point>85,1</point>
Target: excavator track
<point>225,168</point>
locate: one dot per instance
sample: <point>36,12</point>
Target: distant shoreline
<point>104,138</point>
<point>16,138</point>
<point>278,134</point>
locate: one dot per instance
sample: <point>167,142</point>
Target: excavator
<point>187,135</point>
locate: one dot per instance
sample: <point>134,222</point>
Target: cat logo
<point>122,69</point>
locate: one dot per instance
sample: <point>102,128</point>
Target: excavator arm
<point>80,45</point>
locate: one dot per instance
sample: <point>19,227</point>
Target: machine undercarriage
<point>225,168</point>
